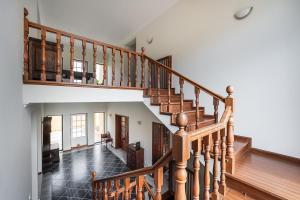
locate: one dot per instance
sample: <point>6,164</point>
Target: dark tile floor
<point>71,179</point>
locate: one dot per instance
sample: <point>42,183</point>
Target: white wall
<point>15,137</point>
<point>259,56</point>
<point>137,132</point>
<point>67,109</point>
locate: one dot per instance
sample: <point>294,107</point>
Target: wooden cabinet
<point>135,157</point>
<point>35,59</point>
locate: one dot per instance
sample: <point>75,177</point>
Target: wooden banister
<point>26,56</point>
<point>221,98</point>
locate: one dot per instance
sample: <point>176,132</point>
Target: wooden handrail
<point>146,170</point>
<point>221,98</point>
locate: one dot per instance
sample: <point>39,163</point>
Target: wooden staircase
<point>239,171</point>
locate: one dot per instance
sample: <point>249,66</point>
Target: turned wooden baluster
<point>158,82</point>
<point>158,181</point>
<point>136,70</point>
<point>43,46</point>
<point>109,188</point>
<point>181,82</point>
<point>216,113</point>
<point>26,57</point>
<point>58,57</point>
<point>104,191</point>
<point>113,67</point>
<point>122,68</point>
<point>139,188</point>
<point>99,190</point>
<point>143,67</point>
<point>94,63</point>
<point>104,65</point>
<point>169,90</point>
<point>94,186</point>
<point>127,185</point>
<point>196,145</point>
<point>181,153</point>
<point>197,92</point>
<point>72,59</point>
<point>229,101</point>
<point>84,71</point>
<point>149,77</point>
<point>216,139</point>
<point>129,68</point>
<point>207,140</point>
<point>223,163</point>
<point>117,188</point>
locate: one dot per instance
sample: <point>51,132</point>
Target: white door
<point>79,129</point>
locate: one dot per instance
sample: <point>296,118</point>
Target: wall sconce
<point>139,122</point>
<point>243,13</point>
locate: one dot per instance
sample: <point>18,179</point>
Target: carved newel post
<point>229,101</point>
<point>181,153</point>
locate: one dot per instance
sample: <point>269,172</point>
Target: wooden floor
<point>276,174</point>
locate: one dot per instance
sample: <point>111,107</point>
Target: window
<point>78,127</point>
<point>78,66</point>
<point>77,81</point>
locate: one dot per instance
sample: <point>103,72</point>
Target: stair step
<point>163,98</point>
<point>175,106</point>
<point>232,194</point>
<point>161,91</point>
<point>264,175</point>
<point>190,114</point>
<point>208,120</point>
<point>241,145</point>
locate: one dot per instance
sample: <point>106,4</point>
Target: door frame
<point>104,124</point>
<point>62,130</point>
<point>118,131</point>
<point>86,129</point>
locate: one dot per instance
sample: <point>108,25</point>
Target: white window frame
<point>77,129</point>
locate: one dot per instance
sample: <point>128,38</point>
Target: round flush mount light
<point>243,13</point>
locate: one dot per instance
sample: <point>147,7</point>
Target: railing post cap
<point>182,119</point>
<point>25,12</point>
<point>94,174</point>
<point>230,90</point>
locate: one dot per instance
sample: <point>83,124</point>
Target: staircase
<point>231,169</point>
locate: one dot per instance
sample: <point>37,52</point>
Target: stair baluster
<point>122,69</point>
<point>104,65</point>
<point>197,92</point>
<point>223,163</point>
<point>140,185</point>
<point>149,78</point>
<point>58,57</point>
<point>127,184</point>
<point>216,139</point>
<point>158,82</point>
<point>143,67</point>
<point>94,185</point>
<point>169,90</point>
<point>216,113</point>
<point>158,181</point>
<point>207,140</point>
<point>94,62</point>
<point>129,68</point>
<point>109,188</point>
<point>84,67</point>
<point>117,188</point>
<point>181,82</point>
<point>136,70</point>
<point>43,46</point>
<point>196,145</point>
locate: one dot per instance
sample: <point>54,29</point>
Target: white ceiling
<point>112,21</point>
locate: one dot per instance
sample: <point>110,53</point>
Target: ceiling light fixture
<point>243,13</point>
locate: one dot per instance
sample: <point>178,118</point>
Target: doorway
<point>78,130</point>
<point>56,135</point>
<point>161,142</point>
<point>99,125</point>
<point>122,132</point>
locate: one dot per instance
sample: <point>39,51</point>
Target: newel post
<point>181,153</point>
<point>26,33</point>
<point>229,101</point>
<point>94,185</point>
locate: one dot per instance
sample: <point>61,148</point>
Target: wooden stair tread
<point>235,195</point>
<point>274,174</point>
<point>185,111</point>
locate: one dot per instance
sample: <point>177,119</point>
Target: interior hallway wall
<point>259,56</point>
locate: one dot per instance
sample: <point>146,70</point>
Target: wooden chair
<point>106,138</point>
